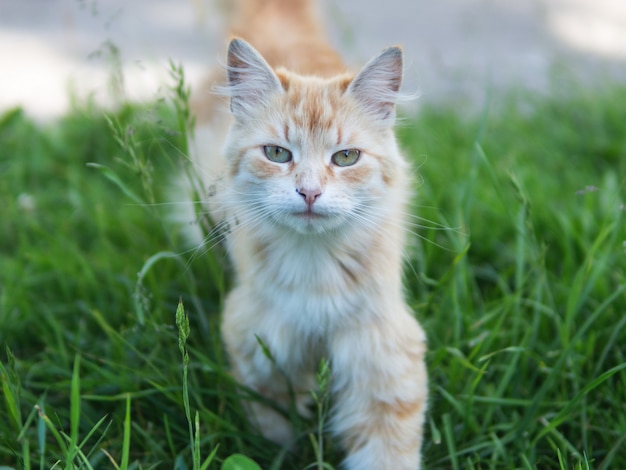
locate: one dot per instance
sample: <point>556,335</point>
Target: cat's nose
<point>309,195</point>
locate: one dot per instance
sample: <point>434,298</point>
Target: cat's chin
<point>309,216</point>
<point>309,223</point>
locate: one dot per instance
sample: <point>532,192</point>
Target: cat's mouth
<point>312,221</point>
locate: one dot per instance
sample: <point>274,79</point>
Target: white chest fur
<point>309,283</point>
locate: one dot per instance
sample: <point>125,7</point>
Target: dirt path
<point>456,49</point>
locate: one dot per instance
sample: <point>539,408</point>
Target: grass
<point>517,274</point>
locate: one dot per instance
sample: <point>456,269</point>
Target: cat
<point>311,192</point>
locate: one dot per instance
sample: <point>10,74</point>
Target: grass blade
<point>126,441</point>
<point>75,404</point>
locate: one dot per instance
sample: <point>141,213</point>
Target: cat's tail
<point>287,33</point>
<point>289,8</point>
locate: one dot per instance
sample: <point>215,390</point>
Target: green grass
<point>523,295</point>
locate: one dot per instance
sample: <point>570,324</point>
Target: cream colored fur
<point>316,247</point>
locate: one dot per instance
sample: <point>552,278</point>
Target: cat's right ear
<point>250,78</point>
<point>377,85</point>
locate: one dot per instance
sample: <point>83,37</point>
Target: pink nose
<point>309,195</point>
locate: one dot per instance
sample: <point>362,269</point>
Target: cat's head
<point>308,154</point>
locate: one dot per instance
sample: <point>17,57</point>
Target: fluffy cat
<point>312,189</point>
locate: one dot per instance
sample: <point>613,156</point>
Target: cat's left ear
<point>376,86</point>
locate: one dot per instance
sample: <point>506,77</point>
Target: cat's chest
<point>314,282</point>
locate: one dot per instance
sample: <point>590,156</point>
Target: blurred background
<point>56,51</point>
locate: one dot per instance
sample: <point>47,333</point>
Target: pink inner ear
<point>250,78</point>
<point>376,86</point>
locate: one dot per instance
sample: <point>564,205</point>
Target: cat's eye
<point>277,154</point>
<point>346,157</point>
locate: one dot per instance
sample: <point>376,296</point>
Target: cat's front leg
<point>273,386</point>
<point>259,353</point>
<point>380,387</point>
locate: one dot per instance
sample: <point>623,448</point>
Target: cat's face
<point>309,154</point>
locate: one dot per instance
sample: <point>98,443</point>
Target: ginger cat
<point>312,190</point>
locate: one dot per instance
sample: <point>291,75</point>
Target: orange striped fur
<point>316,240</point>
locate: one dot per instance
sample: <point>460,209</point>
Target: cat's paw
<point>272,425</point>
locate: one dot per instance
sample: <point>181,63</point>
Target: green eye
<point>277,154</point>
<point>346,157</point>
